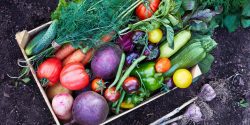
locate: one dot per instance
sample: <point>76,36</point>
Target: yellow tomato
<point>155,36</point>
<point>182,78</point>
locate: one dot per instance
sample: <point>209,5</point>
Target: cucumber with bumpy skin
<point>47,38</point>
<point>33,42</point>
<point>191,55</point>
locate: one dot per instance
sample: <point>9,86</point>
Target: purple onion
<point>131,57</point>
<point>126,42</point>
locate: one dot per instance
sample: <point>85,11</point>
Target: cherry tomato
<point>147,9</point>
<point>131,85</point>
<point>182,78</point>
<point>50,69</point>
<point>97,85</point>
<point>155,36</point>
<point>74,76</point>
<point>111,95</point>
<point>162,65</point>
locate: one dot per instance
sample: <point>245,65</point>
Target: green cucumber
<point>47,38</point>
<point>33,42</point>
<point>179,41</point>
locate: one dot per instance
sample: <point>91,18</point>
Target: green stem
<point>120,102</point>
<point>129,70</point>
<point>119,72</point>
<point>132,9</point>
<point>132,5</point>
<point>138,23</point>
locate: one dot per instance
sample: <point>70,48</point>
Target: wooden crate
<point>23,38</point>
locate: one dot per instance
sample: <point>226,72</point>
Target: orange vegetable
<point>88,57</point>
<point>162,65</point>
<point>76,56</point>
<point>64,51</point>
<point>108,37</point>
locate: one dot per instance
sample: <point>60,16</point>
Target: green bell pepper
<point>148,76</point>
<point>131,100</point>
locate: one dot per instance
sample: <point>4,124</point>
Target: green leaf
<point>56,14</point>
<point>246,10</point>
<point>170,36</point>
<point>174,21</point>
<point>245,22</point>
<point>164,8</point>
<point>231,22</point>
<point>243,103</point>
<point>198,25</point>
<point>189,4</point>
<point>26,80</point>
<point>205,64</point>
<point>176,7</point>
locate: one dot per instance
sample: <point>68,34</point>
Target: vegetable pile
<point>103,57</point>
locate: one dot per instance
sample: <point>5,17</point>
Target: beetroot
<point>106,60</point>
<point>90,108</point>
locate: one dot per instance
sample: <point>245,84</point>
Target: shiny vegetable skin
<point>74,77</point>
<point>88,57</point>
<point>190,55</point>
<point>148,76</point>
<point>34,42</point>
<point>162,65</point>
<point>47,38</point>
<point>131,85</point>
<point>155,36</point>
<point>144,12</point>
<point>64,51</point>
<point>111,94</point>
<point>50,69</point>
<point>179,41</point>
<point>97,85</point>
<point>76,56</point>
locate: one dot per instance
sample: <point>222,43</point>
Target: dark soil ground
<point>23,104</point>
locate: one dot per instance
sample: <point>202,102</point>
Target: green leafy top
<point>84,22</point>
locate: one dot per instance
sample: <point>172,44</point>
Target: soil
<point>23,104</point>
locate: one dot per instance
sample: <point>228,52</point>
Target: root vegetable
<point>62,105</point>
<point>90,108</point>
<point>56,89</point>
<point>64,51</point>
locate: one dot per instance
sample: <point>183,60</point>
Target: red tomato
<point>112,95</point>
<point>162,65</point>
<point>144,12</point>
<point>97,85</point>
<point>50,69</point>
<point>74,76</point>
<point>131,85</point>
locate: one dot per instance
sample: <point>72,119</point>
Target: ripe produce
<point>74,77</point>
<point>56,89</point>
<point>106,61</point>
<point>182,78</point>
<point>62,105</point>
<point>50,70</point>
<point>90,108</point>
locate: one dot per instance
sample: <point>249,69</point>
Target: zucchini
<point>47,38</point>
<point>179,41</point>
<point>33,42</point>
<point>191,55</point>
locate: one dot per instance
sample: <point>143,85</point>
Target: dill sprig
<point>85,22</point>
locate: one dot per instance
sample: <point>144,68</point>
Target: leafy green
<point>246,9</point>
<point>231,22</point>
<point>56,14</point>
<point>170,36</point>
<point>245,22</point>
<point>84,23</point>
<point>205,64</point>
